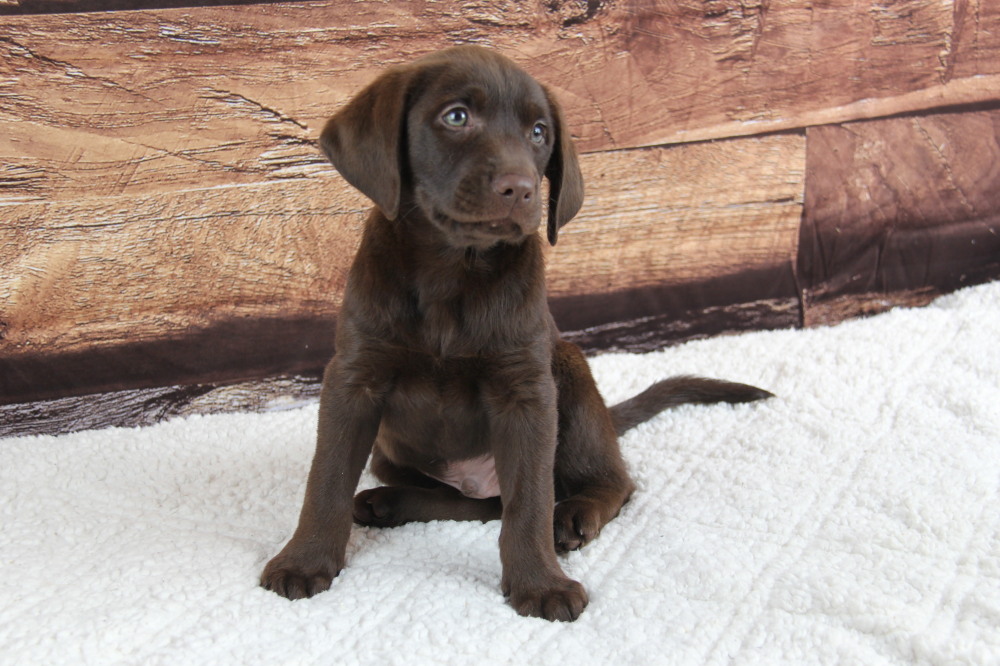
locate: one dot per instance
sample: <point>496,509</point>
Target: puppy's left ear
<point>563,172</point>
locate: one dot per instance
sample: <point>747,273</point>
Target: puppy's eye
<point>538,133</point>
<point>456,116</point>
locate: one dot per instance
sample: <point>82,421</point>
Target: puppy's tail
<point>680,390</point>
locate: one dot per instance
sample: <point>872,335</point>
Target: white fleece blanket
<point>855,519</point>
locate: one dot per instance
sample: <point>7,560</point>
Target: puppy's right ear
<point>364,139</point>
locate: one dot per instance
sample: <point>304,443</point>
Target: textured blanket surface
<point>853,519</point>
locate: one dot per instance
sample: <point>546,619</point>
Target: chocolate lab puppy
<point>449,371</point>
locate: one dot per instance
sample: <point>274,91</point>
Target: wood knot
<point>574,12</point>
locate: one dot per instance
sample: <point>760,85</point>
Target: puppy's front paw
<point>560,599</point>
<point>297,576</point>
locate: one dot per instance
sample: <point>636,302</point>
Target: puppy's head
<point>465,135</point>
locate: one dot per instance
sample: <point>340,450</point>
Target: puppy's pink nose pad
<point>514,187</point>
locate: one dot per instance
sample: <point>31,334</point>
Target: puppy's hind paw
<point>577,523</point>
<point>378,507</point>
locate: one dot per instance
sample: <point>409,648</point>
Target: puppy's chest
<point>457,327</point>
<point>437,393</point>
<point>468,309</point>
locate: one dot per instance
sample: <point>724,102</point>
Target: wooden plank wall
<point>166,218</point>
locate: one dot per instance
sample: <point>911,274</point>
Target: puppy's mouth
<point>503,227</point>
<point>483,232</point>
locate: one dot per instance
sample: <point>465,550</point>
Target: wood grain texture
<point>166,217</point>
<point>117,269</point>
<point>902,205</point>
<point>728,67</point>
<point>672,324</point>
<point>682,214</point>
<point>139,407</point>
<point>134,102</point>
<point>10,7</point>
<point>150,274</point>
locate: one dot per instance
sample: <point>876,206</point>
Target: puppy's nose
<point>514,188</point>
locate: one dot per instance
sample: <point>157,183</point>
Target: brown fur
<point>446,350</point>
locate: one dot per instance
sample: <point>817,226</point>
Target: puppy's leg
<point>522,405</point>
<point>590,474</point>
<point>348,423</point>
<point>411,496</point>
<point>390,506</point>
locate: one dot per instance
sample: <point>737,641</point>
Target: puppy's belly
<point>435,423</point>
<point>476,477</point>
